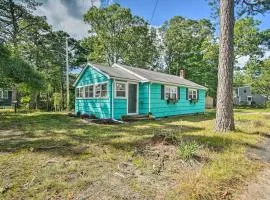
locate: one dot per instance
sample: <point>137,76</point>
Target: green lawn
<point>52,156</point>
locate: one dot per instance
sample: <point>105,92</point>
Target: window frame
<point>93,92</point>
<point>2,96</point>
<point>79,88</point>
<point>84,87</point>
<point>103,97</point>
<point>251,98</point>
<point>115,90</point>
<point>192,94</point>
<point>168,87</point>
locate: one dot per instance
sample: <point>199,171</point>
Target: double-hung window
<point>97,91</point>
<point>120,89</point>
<point>170,92</point>
<point>89,91</point>
<point>192,94</point>
<point>104,90</point>
<point>80,92</point>
<point>3,94</point>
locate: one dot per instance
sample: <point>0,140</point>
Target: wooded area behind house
<point>33,54</point>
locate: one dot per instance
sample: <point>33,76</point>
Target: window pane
<point>86,92</point>
<point>91,92</point>
<point>120,86</point>
<point>5,94</point>
<point>120,93</point>
<point>98,91</point>
<point>167,95</point>
<point>120,90</point>
<point>173,96</point>
<point>81,92</point>
<point>104,86</point>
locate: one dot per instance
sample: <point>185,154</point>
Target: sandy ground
<point>259,188</point>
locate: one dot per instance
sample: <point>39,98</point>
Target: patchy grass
<point>52,156</point>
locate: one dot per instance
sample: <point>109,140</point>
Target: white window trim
<point>2,96</point>
<point>93,97</point>
<point>168,86</point>
<point>137,106</point>
<point>94,91</point>
<point>192,93</point>
<point>126,90</point>
<point>250,97</point>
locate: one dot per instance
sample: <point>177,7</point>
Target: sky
<point>67,15</point>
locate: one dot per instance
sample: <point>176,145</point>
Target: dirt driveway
<point>259,188</point>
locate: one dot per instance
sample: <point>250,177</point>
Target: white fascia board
<point>131,72</point>
<point>89,65</point>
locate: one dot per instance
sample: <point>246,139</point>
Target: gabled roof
<point>119,71</point>
<point>153,76</point>
<point>116,72</point>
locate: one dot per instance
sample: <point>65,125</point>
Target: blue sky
<point>166,9</point>
<point>67,15</point>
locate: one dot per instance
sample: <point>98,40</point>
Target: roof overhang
<point>84,69</point>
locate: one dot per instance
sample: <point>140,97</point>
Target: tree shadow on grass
<point>62,134</point>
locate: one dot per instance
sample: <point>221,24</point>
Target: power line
<point>153,13</point>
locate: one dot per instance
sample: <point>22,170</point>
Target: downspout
<point>149,97</point>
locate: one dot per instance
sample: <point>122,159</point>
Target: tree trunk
<point>224,116</point>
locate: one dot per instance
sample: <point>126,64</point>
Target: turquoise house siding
<point>120,108</point>
<point>117,107</point>
<point>143,98</point>
<point>100,107</point>
<point>160,108</point>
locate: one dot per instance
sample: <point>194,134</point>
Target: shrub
<point>188,150</point>
<point>85,116</point>
<point>92,116</point>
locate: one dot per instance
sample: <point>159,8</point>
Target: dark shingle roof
<point>154,76</point>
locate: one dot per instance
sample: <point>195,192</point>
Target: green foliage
<point>248,38</point>
<point>190,45</point>
<point>25,101</point>
<point>57,101</point>
<point>118,36</point>
<point>188,150</point>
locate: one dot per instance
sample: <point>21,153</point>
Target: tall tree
<point>224,116</point>
<point>118,36</point>
<point>190,45</point>
<point>11,14</point>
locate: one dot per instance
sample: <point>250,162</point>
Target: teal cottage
<point>113,92</point>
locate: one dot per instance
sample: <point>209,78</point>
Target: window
<point>249,98</point>
<point>3,94</point>
<point>80,92</point>
<point>192,94</point>
<point>170,92</point>
<point>120,89</point>
<point>97,90</point>
<point>89,91</point>
<point>104,90</point>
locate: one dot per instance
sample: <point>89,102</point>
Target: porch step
<point>128,118</point>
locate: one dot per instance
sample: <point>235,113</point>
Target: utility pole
<point>67,73</point>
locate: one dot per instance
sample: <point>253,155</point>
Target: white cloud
<point>62,16</point>
<point>242,61</point>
